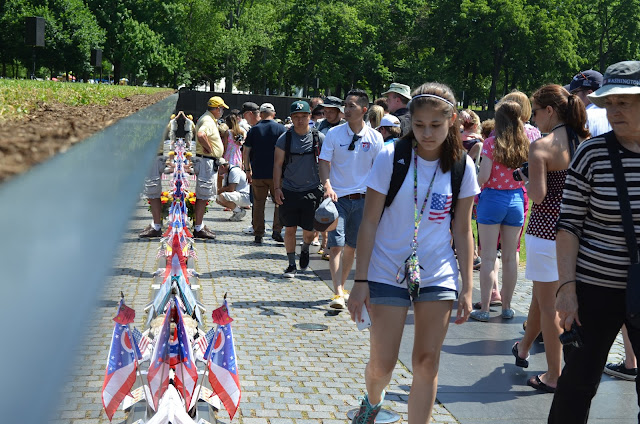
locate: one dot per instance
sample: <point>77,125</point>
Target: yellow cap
<point>216,101</point>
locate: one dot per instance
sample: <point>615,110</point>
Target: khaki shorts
<point>240,199</point>
<point>153,182</point>
<point>206,178</point>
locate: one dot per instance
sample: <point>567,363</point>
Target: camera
<point>571,337</point>
<point>525,171</point>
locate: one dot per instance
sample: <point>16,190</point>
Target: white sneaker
<point>337,302</point>
<point>248,230</point>
<point>237,216</point>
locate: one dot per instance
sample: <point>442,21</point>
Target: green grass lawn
<point>20,97</point>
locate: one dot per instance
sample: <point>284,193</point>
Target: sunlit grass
<point>20,97</point>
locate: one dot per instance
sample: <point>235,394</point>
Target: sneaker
<point>337,302</point>
<point>237,216</point>
<point>621,371</point>
<point>150,232</point>
<point>248,230</point>
<point>257,240</point>
<point>367,413</point>
<point>290,272</point>
<point>204,233</point>
<point>479,316</point>
<point>277,237</point>
<point>325,256</point>
<point>304,260</point>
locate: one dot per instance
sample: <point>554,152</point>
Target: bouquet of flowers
<point>190,201</point>
<point>166,199</point>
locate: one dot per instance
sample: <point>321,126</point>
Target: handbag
<point>632,295</point>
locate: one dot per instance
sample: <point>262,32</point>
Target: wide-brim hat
<point>401,89</point>
<point>619,78</point>
<point>332,101</point>
<point>326,215</point>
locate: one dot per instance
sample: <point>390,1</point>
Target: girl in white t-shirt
<point>406,254</point>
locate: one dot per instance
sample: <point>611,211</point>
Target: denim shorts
<point>390,295</point>
<point>504,207</point>
<point>349,218</point>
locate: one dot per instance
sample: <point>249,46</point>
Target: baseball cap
<point>588,79</point>
<point>401,89</point>
<point>249,107</point>
<point>267,107</point>
<point>326,214</point>
<point>332,101</point>
<point>216,101</point>
<point>222,161</point>
<point>619,78</point>
<point>389,120</point>
<point>300,106</point>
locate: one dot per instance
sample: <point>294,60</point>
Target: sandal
<point>537,384</point>
<point>522,363</point>
<point>325,256</point>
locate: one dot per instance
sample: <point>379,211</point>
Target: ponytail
<point>577,116</point>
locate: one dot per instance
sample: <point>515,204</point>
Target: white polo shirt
<point>350,168</point>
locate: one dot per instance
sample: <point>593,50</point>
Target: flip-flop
<point>522,363</point>
<point>537,384</point>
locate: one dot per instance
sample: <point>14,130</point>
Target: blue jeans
<point>349,218</point>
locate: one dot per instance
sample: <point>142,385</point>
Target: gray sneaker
<point>237,216</point>
<point>367,413</point>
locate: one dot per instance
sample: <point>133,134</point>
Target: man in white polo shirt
<point>346,158</point>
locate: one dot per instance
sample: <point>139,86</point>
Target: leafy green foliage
<point>482,48</point>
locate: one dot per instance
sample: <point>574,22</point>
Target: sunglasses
<point>355,138</point>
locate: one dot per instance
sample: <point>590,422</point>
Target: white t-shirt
<point>392,244</point>
<point>237,176</point>
<point>349,168</point>
<point>597,121</point>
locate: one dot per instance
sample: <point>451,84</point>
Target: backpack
<point>401,163</point>
<point>287,148</point>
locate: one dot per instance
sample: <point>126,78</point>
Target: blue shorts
<point>387,294</point>
<point>349,218</point>
<point>504,207</point>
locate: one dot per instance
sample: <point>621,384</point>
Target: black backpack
<point>287,148</point>
<point>401,163</point>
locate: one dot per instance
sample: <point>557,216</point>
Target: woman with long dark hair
<point>562,116</point>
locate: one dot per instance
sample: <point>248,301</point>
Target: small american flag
<point>440,207</point>
<point>141,340</point>
<point>203,341</point>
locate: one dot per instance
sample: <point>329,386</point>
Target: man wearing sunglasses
<point>346,158</point>
<point>583,84</point>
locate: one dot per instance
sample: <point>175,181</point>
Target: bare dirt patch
<point>55,127</point>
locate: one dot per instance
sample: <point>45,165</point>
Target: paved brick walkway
<point>288,376</point>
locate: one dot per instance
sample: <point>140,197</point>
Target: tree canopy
<point>482,48</point>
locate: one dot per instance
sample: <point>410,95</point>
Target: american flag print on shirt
<point>440,207</point>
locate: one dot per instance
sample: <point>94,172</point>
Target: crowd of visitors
<point>383,179</point>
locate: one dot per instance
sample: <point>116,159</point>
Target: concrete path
<point>292,376</point>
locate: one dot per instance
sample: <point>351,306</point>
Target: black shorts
<point>299,208</point>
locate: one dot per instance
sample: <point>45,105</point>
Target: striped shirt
<point>591,211</point>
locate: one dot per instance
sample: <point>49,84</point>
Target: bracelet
<point>563,284</point>
<point>246,170</point>
<point>360,281</point>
